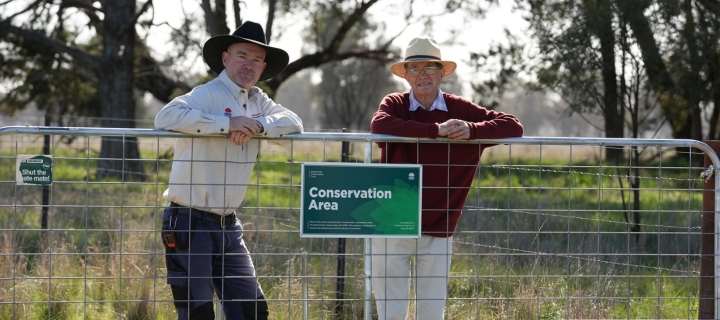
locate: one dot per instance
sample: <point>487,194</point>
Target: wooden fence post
<point>706,305</point>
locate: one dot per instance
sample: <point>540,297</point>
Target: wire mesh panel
<point>557,231</point>
<point>563,232</point>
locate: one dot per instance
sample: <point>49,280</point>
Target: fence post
<point>304,271</point>
<point>706,305</point>
<point>367,314</point>
<point>45,188</point>
<point>340,286</point>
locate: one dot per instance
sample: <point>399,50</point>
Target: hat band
<point>422,57</point>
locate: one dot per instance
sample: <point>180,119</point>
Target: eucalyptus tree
<point>577,57</point>
<point>91,57</point>
<point>578,52</point>
<point>619,59</point>
<point>322,46</point>
<point>348,91</point>
<point>45,63</point>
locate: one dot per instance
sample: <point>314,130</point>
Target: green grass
<point>515,258</point>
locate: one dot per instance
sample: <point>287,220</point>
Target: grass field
<point>541,238</point>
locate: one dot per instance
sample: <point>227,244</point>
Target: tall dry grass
<point>532,244</point>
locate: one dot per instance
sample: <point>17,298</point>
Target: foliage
<point>52,82</point>
<point>61,74</point>
<point>639,64</point>
<point>349,90</point>
<point>503,63</point>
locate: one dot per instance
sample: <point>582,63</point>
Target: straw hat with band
<point>422,49</point>
<point>249,32</point>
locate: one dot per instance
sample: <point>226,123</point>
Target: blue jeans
<point>208,259</point>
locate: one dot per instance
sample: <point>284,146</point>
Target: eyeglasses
<point>415,71</point>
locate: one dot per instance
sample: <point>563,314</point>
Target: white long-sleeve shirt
<point>211,174</point>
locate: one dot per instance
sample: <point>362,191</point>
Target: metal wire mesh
<point>549,230</point>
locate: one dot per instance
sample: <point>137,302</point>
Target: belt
<point>222,220</point>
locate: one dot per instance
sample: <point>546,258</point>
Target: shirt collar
<point>236,90</point>
<point>438,104</point>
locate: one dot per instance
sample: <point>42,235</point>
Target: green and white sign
<point>360,200</point>
<point>33,170</point>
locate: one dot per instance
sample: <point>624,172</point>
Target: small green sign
<point>35,170</point>
<point>354,200</point>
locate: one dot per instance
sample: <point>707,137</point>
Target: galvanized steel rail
<point>370,138</point>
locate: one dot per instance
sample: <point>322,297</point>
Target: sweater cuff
<point>434,129</point>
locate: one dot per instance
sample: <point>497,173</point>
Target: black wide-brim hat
<point>250,32</point>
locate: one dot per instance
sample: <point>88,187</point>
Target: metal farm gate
<point>553,228</point>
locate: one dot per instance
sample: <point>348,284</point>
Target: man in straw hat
<point>205,252</point>
<point>448,170</point>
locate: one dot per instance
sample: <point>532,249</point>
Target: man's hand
<point>454,129</point>
<point>243,128</point>
<point>238,138</point>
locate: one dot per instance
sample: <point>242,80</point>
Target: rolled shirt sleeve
<point>212,173</point>
<point>178,115</point>
<point>276,119</point>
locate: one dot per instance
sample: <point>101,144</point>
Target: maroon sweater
<point>448,169</point>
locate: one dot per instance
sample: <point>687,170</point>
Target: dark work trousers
<point>206,258</point>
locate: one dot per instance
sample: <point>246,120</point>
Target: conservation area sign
<point>32,169</point>
<point>360,200</point>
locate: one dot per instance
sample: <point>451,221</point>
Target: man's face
<point>244,62</point>
<point>420,81</point>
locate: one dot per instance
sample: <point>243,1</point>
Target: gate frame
<point>368,139</point>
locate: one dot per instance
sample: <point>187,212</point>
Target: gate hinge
<point>707,174</point>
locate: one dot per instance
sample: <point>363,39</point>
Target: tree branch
<point>236,13</point>
<point>318,58</point>
<point>272,6</point>
<point>37,37</point>
<point>144,8</point>
<point>28,8</point>
<point>215,19</point>
<point>85,7</point>
<point>712,6</point>
<point>331,51</point>
<point>658,74</point>
<point>356,16</point>
<point>149,77</point>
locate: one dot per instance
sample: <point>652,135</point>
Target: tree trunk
<point>712,61</point>
<point>215,19</point>
<point>236,13</point>
<point>272,8</point>
<point>712,6</point>
<point>714,75</point>
<point>603,28</point>
<point>659,77</point>
<point>332,51</point>
<point>677,103</point>
<point>119,156</point>
<point>691,92</point>
<point>150,78</point>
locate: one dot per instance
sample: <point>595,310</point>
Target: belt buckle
<point>225,220</point>
<point>229,218</point>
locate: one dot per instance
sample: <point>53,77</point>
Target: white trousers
<point>391,265</point>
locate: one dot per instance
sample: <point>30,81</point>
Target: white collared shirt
<point>211,174</point>
<point>438,104</point>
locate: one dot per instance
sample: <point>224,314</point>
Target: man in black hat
<point>205,252</point>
